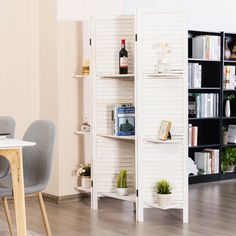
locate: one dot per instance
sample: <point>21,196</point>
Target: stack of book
<point>207,161</point>
<point>123,119</point>
<point>206,47</point>
<point>203,105</point>
<point>194,75</point>
<point>192,135</point>
<point>229,77</point>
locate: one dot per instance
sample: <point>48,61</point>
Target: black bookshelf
<point>210,129</point>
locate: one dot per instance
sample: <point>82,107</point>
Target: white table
<point>11,149</point>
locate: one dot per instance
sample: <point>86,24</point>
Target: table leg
<point>16,164</point>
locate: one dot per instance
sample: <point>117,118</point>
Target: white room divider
<point>157,97</point>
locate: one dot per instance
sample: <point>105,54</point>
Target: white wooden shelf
<point>80,76</point>
<point>154,205</point>
<point>132,138</point>
<point>166,76</point>
<point>128,198</point>
<point>170,141</point>
<point>117,76</point>
<point>82,133</point>
<point>85,190</point>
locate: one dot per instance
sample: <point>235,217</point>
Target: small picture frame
<point>164,130</point>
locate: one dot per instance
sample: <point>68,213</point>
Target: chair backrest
<point>7,125</point>
<point>38,159</point>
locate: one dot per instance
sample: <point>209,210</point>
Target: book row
<point>203,105</point>
<point>194,75</point>
<point>229,77</point>
<point>207,161</point>
<point>206,47</point>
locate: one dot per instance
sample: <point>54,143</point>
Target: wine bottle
<point>123,58</point>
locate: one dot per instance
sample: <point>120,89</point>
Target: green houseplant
<point>228,160</point>
<point>122,189</point>
<point>164,191</point>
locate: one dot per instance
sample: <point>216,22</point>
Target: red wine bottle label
<point>124,62</point>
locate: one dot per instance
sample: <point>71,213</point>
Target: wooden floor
<point>212,212</point>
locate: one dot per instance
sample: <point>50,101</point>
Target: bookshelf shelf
<point>202,60</point>
<point>128,198</point>
<point>229,145</point>
<point>229,62</point>
<point>229,90</point>
<point>158,141</point>
<point>129,138</point>
<point>195,179</point>
<point>205,146</point>
<point>204,118</point>
<point>229,118</point>
<point>82,133</point>
<point>166,76</point>
<point>203,89</point>
<point>85,190</point>
<point>162,208</point>
<point>117,76</point>
<point>80,76</point>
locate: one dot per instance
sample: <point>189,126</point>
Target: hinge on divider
<point>91,183</point>
<point>90,41</point>
<point>136,37</point>
<point>136,192</point>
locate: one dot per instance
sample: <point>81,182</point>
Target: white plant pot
<point>164,199</point>
<point>85,182</point>
<point>122,191</point>
<point>230,169</point>
<point>227,108</point>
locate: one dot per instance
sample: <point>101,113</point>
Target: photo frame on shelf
<point>164,132</point>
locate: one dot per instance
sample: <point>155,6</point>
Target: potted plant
<point>164,191</point>
<point>227,104</point>
<point>85,172</point>
<point>122,189</point>
<point>228,160</point>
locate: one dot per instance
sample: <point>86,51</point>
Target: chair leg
<point>44,214</point>
<point>8,216</point>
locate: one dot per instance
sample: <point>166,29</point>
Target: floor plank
<point>212,212</point>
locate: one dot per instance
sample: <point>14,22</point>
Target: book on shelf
<point>206,47</point>
<point>123,119</point>
<point>192,135</point>
<point>203,105</point>
<point>207,161</point>
<point>231,134</point>
<point>194,75</point>
<point>229,77</point>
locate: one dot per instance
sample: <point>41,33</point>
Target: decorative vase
<point>227,53</point>
<point>225,137</point>
<point>233,54</point>
<point>164,200</point>
<point>163,66</point>
<point>122,191</point>
<point>86,182</point>
<point>227,108</point>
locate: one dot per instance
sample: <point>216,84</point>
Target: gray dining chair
<point>37,161</point>
<point>7,125</point>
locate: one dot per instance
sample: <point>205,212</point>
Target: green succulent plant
<point>122,179</point>
<point>163,187</point>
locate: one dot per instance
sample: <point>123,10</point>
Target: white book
<point>198,102</point>
<point>190,135</point>
<point>201,160</point>
<point>232,134</point>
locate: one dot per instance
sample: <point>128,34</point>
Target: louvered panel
<point>112,156</point>
<point>108,34</point>
<point>161,99</point>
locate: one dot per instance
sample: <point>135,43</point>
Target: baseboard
<point>63,199</point>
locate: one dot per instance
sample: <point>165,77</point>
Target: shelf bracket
<point>90,42</point>
<point>136,192</point>
<point>136,37</point>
